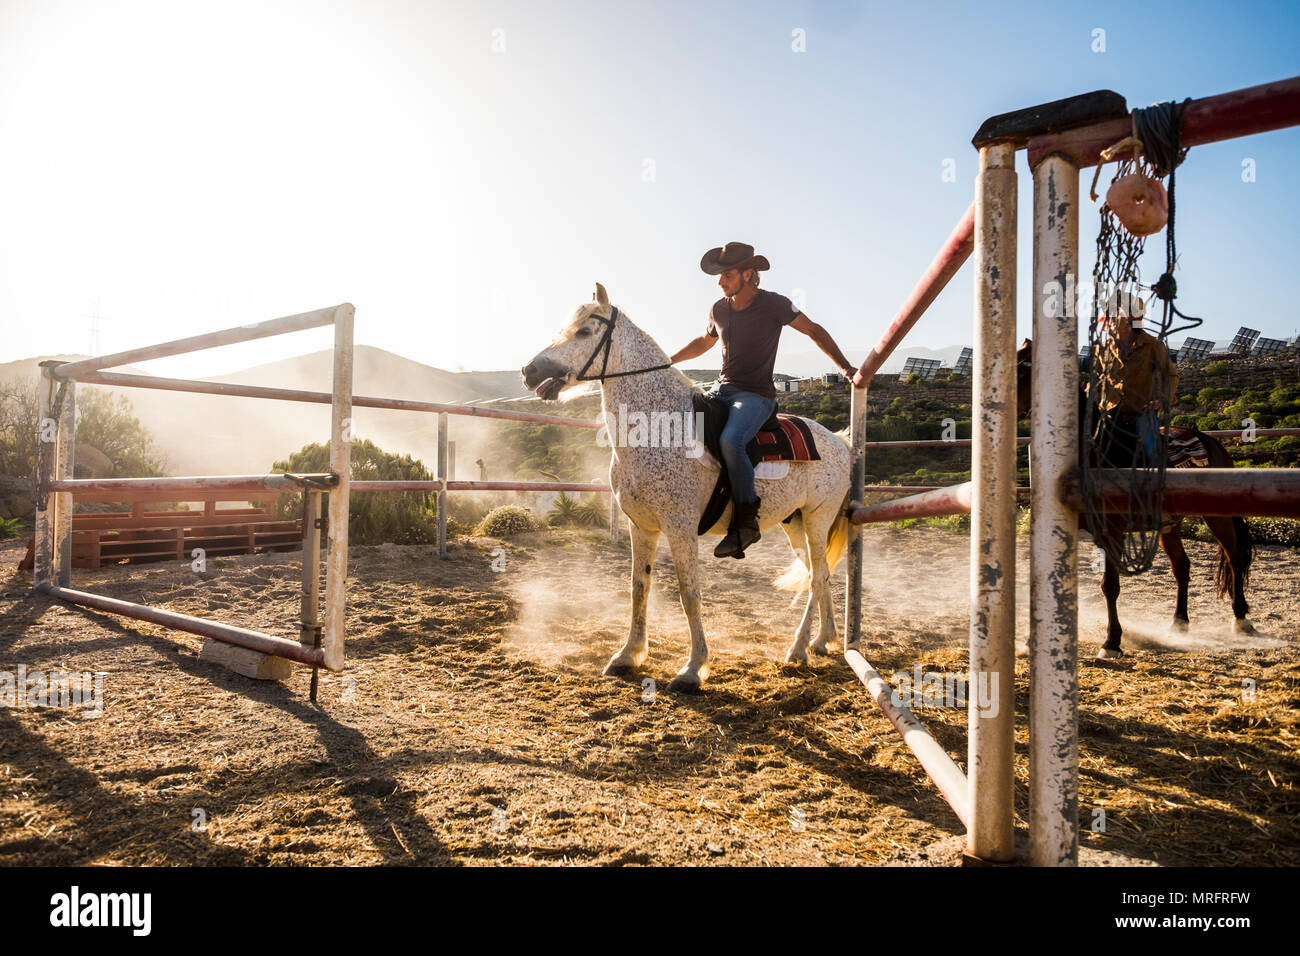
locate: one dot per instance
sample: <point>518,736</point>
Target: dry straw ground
<point>472,725</point>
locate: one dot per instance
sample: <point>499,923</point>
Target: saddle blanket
<point>1185,449</point>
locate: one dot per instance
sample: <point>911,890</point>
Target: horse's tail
<point>798,576</point>
<point>1246,551</point>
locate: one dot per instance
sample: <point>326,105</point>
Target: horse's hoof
<point>1109,653</point>
<point>796,658</point>
<point>819,648</point>
<point>1242,625</point>
<point>684,684</point>
<point>619,667</point>
<point>1179,626</point>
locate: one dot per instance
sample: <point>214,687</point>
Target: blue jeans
<point>748,413</point>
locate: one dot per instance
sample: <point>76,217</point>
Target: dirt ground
<point>472,724</point>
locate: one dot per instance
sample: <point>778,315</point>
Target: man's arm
<point>824,342</point>
<point>693,349</point>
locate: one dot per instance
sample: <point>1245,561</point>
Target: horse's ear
<point>602,297</point>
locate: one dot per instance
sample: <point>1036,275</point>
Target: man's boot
<point>743,531</point>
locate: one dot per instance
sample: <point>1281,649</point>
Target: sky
<point>465,172</point>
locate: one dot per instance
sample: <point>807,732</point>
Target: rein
<point>605,343</point>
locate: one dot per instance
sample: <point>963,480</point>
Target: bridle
<point>606,341</point>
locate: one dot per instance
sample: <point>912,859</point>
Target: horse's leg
<point>1234,562</point>
<point>637,648</point>
<point>798,652</point>
<point>819,525</point>
<point>686,558</point>
<point>1172,542</point>
<point>1110,588</point>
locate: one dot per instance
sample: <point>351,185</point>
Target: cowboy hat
<point>734,255</point>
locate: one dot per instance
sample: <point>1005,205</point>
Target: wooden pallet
<point>143,536</point>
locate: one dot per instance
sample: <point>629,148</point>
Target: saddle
<point>782,438</point>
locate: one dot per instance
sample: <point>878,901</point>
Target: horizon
<point>461,180</point>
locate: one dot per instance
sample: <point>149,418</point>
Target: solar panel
<point>1243,340</point>
<point>1173,355</point>
<point>963,365</point>
<point>1267,346</point>
<point>926,368</point>
<point>1085,351</point>
<point>1193,349</point>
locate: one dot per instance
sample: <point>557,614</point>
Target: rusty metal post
<point>309,617</point>
<point>613,518</point>
<point>993,511</point>
<point>442,477</point>
<point>1054,534</point>
<point>64,467</point>
<point>336,560</point>
<point>857,480</point>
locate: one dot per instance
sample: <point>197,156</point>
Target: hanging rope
<point>1118,434</point>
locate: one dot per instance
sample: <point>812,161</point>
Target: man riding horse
<point>749,321</point>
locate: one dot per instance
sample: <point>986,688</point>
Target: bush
<point>505,521</point>
<point>1216,368</point>
<point>570,511</point>
<point>9,528</point>
<point>407,517</point>
<point>912,378</point>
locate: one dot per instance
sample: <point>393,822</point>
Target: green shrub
<point>912,378</point>
<point>399,517</point>
<point>1216,368</point>
<point>10,528</point>
<point>505,521</point>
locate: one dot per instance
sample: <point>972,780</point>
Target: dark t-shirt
<point>749,339</point>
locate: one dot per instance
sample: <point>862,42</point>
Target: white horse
<point>664,489</point>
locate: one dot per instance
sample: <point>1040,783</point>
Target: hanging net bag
<point>1126,415</point>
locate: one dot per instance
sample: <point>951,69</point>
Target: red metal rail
<point>956,249</point>
<point>1257,109</point>
<point>253,640</point>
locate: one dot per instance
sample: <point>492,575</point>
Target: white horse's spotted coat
<point>664,490</point>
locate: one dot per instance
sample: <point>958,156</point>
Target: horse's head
<point>1024,377</point>
<point>571,352</point>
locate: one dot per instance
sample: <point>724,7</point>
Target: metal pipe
<point>947,776</point>
<point>310,607</point>
<point>1227,492</point>
<point>993,510</point>
<point>336,557</point>
<point>437,485</point>
<point>953,500</point>
<point>956,249</point>
<point>938,443</point>
<point>226,633</point>
<point>208,340</point>
<point>160,488</point>
<point>857,480</point>
<point>442,477</point>
<point>1256,109</point>
<point>64,468</point>
<point>1054,531</point>
<point>125,380</point>
<point>918,489</point>
<point>46,451</point>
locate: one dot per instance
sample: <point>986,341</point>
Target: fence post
<point>42,572</point>
<point>613,518</point>
<point>991,748</point>
<point>442,477</point>
<point>1054,534</point>
<point>64,467</point>
<point>336,561</point>
<point>857,480</point>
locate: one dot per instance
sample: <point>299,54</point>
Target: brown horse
<point>1235,546</point>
